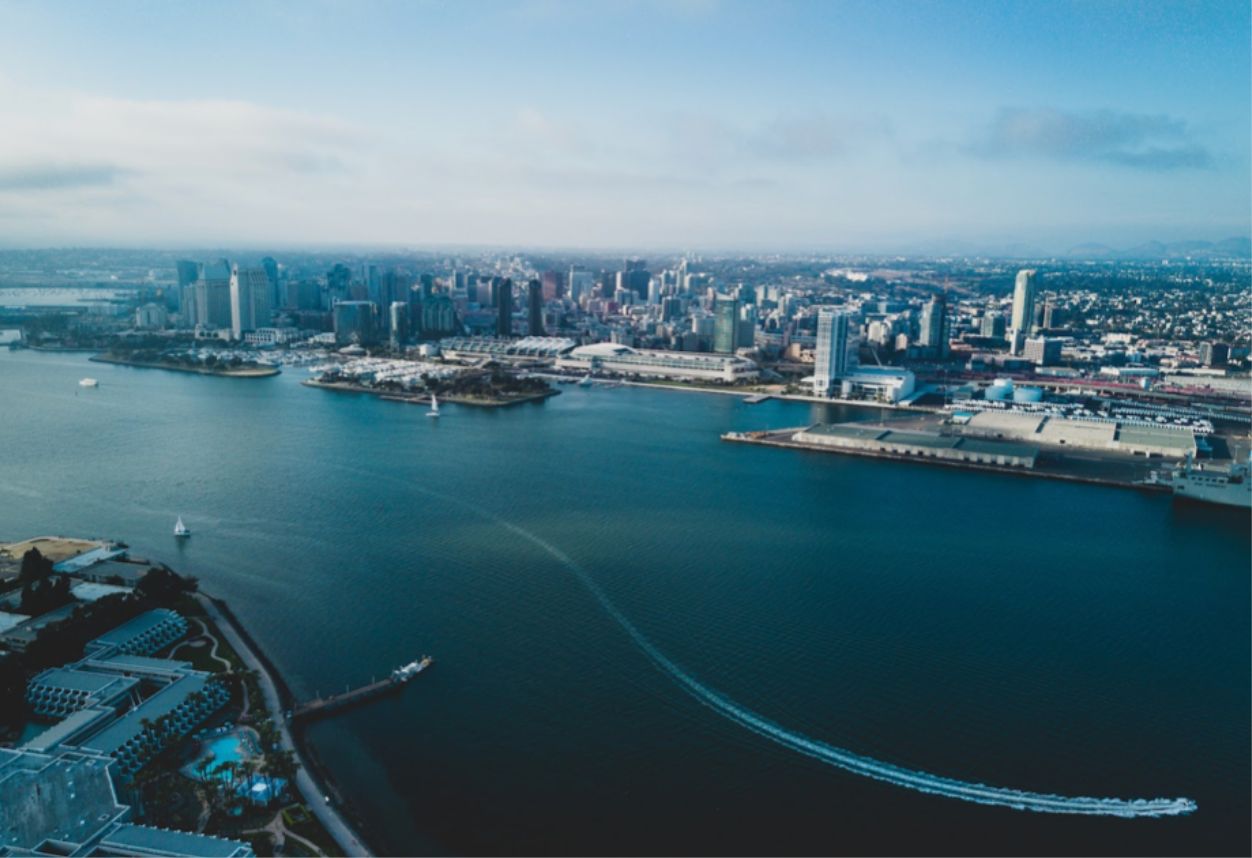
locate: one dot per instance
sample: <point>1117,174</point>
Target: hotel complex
<point>118,708</point>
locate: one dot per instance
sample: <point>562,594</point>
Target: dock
<point>757,398</point>
<point>320,707</point>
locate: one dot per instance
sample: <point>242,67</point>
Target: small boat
<point>181,530</point>
<point>88,382</point>
<point>434,407</point>
<point>406,672</point>
<point>586,382</point>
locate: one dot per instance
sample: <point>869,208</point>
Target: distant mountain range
<point>1230,247</point>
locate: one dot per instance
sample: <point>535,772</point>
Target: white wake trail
<point>913,779</point>
<point>897,775</point>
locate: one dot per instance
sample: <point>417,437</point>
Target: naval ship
<point>1227,486</point>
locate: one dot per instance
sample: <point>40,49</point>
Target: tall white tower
<point>1023,305</point>
<point>832,351</point>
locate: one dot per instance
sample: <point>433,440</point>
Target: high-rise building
<point>213,296</point>
<point>339,282</point>
<point>1023,303</point>
<point>502,292</point>
<point>534,316</point>
<point>725,325</point>
<point>553,285</point>
<point>356,323</point>
<point>438,317</point>
<point>303,295</point>
<point>831,354</point>
<point>188,274</point>
<point>249,300</point>
<point>272,275</point>
<point>933,327</point>
<point>580,283</point>
<point>398,324</point>
<point>635,278</point>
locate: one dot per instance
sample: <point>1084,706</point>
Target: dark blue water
<point>1024,633</point>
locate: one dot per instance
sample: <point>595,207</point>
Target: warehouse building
<point>860,438</point>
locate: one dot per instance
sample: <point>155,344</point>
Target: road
<point>314,793</point>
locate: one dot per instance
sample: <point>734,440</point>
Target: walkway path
<point>315,794</point>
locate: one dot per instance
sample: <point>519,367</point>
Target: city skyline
<point>846,127</point>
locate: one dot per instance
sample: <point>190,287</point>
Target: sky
<point>688,124</point>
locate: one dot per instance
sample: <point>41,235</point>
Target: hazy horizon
<point>807,127</point>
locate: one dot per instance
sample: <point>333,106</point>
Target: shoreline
<point>1047,474</point>
<point>239,372</point>
<point>313,779</point>
<point>747,393</point>
<point>424,399</point>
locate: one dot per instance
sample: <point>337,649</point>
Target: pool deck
<point>311,786</point>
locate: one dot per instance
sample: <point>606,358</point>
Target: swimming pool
<point>230,747</point>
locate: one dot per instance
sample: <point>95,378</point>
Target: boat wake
<point>868,767</point>
<point>913,779</point>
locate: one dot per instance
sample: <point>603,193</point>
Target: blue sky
<point>706,124</point>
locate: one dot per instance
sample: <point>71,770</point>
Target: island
<point>230,367</point>
<point>416,382</point>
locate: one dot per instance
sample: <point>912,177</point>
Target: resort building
<point>61,691</point>
<point>146,633</point>
<point>645,363</point>
<point>65,804</point>
<point>169,714</point>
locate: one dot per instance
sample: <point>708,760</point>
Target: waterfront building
<point>832,351</point>
<point>522,350</point>
<point>1023,304</point>
<point>534,302</point>
<point>922,445</point>
<point>60,691</point>
<point>146,633</point>
<point>249,300</point>
<point>1102,434</point>
<point>624,360</point>
<point>355,322</point>
<point>886,384</point>
<point>65,803</point>
<point>725,325</point>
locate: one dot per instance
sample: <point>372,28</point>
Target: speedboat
<point>88,382</point>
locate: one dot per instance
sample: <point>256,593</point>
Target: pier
<point>322,706</point>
